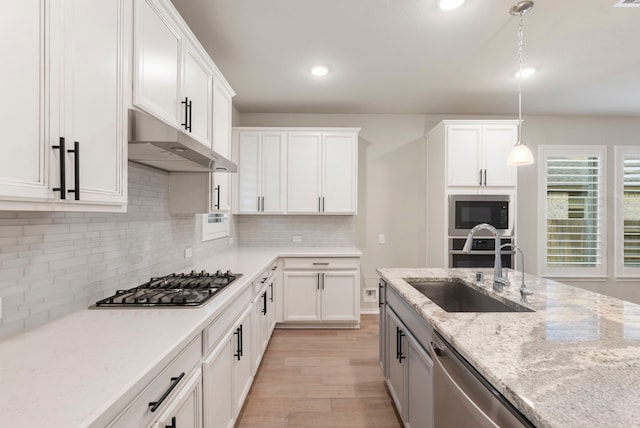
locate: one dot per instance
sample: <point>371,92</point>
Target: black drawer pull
<point>218,191</point>
<point>264,303</point>
<point>76,170</point>
<point>63,188</point>
<point>174,382</point>
<point>173,423</point>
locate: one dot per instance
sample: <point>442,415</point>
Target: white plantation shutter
<point>574,210</point>
<point>631,211</point>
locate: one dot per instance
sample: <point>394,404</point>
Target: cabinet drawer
<point>322,263</point>
<point>214,331</point>
<point>139,413</point>
<point>265,278</point>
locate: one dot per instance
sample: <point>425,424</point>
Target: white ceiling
<point>407,56</point>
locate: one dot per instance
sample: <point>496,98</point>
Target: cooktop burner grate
<point>191,289</point>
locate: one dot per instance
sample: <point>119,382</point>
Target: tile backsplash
<point>278,231</point>
<point>55,263</point>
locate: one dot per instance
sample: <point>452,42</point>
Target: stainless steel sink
<point>456,296</point>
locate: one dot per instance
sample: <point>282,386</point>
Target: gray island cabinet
<point>573,360</point>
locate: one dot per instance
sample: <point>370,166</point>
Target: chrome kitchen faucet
<point>498,281</point>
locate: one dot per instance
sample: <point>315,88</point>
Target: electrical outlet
<point>188,252</point>
<point>370,294</point>
<point>296,238</point>
<point>381,238</point>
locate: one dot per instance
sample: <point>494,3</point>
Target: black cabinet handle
<point>485,177</point>
<point>218,190</point>
<point>480,183</point>
<point>173,423</point>
<point>400,353</point>
<point>258,204</point>
<point>174,382</point>
<point>190,110</point>
<point>264,303</point>
<point>318,280</point>
<point>187,114</point>
<point>322,276</point>
<point>262,199</point>
<point>397,343</point>
<point>63,187</point>
<point>238,333</point>
<point>380,290</point>
<point>319,204</point>
<point>271,292</point>
<point>76,170</point>
<point>323,204</point>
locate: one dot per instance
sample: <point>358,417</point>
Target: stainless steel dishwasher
<point>463,398</point>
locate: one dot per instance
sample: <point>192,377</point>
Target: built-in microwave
<point>467,211</point>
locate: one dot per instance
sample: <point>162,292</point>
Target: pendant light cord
<point>520,49</point>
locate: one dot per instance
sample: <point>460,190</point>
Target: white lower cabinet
<point>227,373</point>
<point>409,374</point>
<point>185,410</point>
<point>174,392</point>
<point>321,289</point>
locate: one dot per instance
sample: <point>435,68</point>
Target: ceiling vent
<point>627,3</point>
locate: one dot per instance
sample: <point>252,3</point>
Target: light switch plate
<point>296,238</point>
<point>188,253</point>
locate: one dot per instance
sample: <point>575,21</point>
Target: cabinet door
<point>217,378</point>
<point>94,97</point>
<point>185,410</point>
<point>196,87</point>
<point>303,172</point>
<point>272,172</point>
<point>259,330</point>
<point>498,141</point>
<point>222,119</point>
<point>396,347</point>
<point>419,411</point>
<point>24,163</point>
<point>157,50</point>
<point>242,351</point>
<point>340,296</point>
<point>339,172</point>
<point>249,172</point>
<point>301,296</point>
<point>464,155</point>
<point>271,307</point>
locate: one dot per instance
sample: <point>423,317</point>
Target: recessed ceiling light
<point>526,72</point>
<point>319,70</point>
<point>450,4</point>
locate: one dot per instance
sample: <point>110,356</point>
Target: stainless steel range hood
<point>156,144</point>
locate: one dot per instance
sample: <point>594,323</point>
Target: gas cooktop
<point>185,289</point>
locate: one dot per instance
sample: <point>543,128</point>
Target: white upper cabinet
<point>24,163</point>
<point>477,153</point>
<point>196,100</point>
<point>322,170</point>
<point>157,60</point>
<point>68,82</point>
<point>304,172</point>
<point>260,179</point>
<point>174,78</point>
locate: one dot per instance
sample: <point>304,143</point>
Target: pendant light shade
<point>520,154</point>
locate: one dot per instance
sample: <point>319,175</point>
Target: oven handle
<point>174,382</point>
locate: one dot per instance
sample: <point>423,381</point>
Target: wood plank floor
<point>320,378</point>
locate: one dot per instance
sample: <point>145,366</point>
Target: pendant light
<point>520,154</point>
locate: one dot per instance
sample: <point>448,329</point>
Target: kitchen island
<point>573,362</point>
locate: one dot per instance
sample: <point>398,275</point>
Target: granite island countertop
<point>574,362</point>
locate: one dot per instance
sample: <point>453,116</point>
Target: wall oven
<point>467,211</point>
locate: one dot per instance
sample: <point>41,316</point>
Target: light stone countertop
<point>81,370</point>
<point>574,362</point>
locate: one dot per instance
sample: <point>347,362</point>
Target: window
<point>572,211</point>
<point>627,210</point>
<point>215,226</point>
